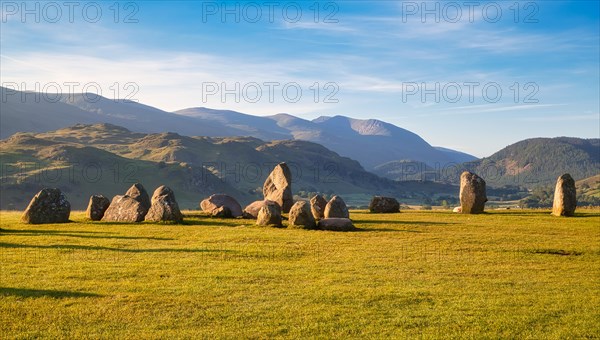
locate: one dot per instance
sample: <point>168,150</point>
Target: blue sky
<point>418,65</point>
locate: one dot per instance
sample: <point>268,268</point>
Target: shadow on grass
<point>99,248</point>
<point>57,294</point>
<point>218,222</point>
<point>69,233</point>
<point>400,222</point>
<point>389,230</point>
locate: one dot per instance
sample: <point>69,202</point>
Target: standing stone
<point>336,224</point>
<point>47,206</point>
<point>278,187</point>
<point>163,206</point>
<point>565,196</point>
<point>269,215</point>
<point>472,193</point>
<point>251,210</point>
<point>213,204</point>
<point>124,208</point>
<point>317,206</point>
<point>336,207</point>
<point>301,216</point>
<point>380,204</point>
<point>96,208</point>
<point>138,193</point>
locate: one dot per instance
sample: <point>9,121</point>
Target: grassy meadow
<point>416,274</point>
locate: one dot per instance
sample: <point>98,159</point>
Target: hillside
<point>530,163</point>
<point>539,161</point>
<point>102,158</point>
<point>374,142</point>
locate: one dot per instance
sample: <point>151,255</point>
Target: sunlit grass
<point>510,274</point>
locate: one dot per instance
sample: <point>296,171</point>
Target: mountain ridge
<point>376,142</point>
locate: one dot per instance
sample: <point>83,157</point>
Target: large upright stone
<point>124,208</point>
<point>278,187</point>
<point>163,206</point>
<point>317,206</point>
<point>381,204</point>
<point>301,217</point>
<point>565,196</point>
<point>47,206</point>
<point>251,210</point>
<point>97,207</point>
<point>269,215</point>
<point>472,193</point>
<point>138,193</point>
<point>336,207</point>
<point>221,205</point>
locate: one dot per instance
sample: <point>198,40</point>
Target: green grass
<point>417,274</point>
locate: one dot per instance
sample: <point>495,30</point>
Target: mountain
<point>106,159</point>
<point>373,142</point>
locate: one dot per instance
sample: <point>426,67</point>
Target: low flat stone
<point>336,224</point>
<point>384,205</point>
<point>251,210</point>
<point>123,208</point>
<point>214,202</point>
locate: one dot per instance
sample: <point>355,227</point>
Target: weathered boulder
<point>317,206</point>
<point>163,206</point>
<point>472,193</point>
<point>278,187</point>
<point>123,208</point>
<point>214,202</point>
<point>96,207</point>
<point>336,207</point>
<point>301,216</point>
<point>565,196</point>
<point>251,210</point>
<point>47,206</point>
<point>269,215</point>
<point>138,193</point>
<point>381,204</point>
<point>336,224</point>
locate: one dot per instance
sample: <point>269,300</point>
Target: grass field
<point>417,274</point>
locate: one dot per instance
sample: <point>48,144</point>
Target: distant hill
<point>106,159</point>
<point>539,161</point>
<point>529,164</point>
<point>373,142</point>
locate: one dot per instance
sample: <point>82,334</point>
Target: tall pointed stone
<point>278,187</point>
<point>565,196</point>
<point>472,193</point>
